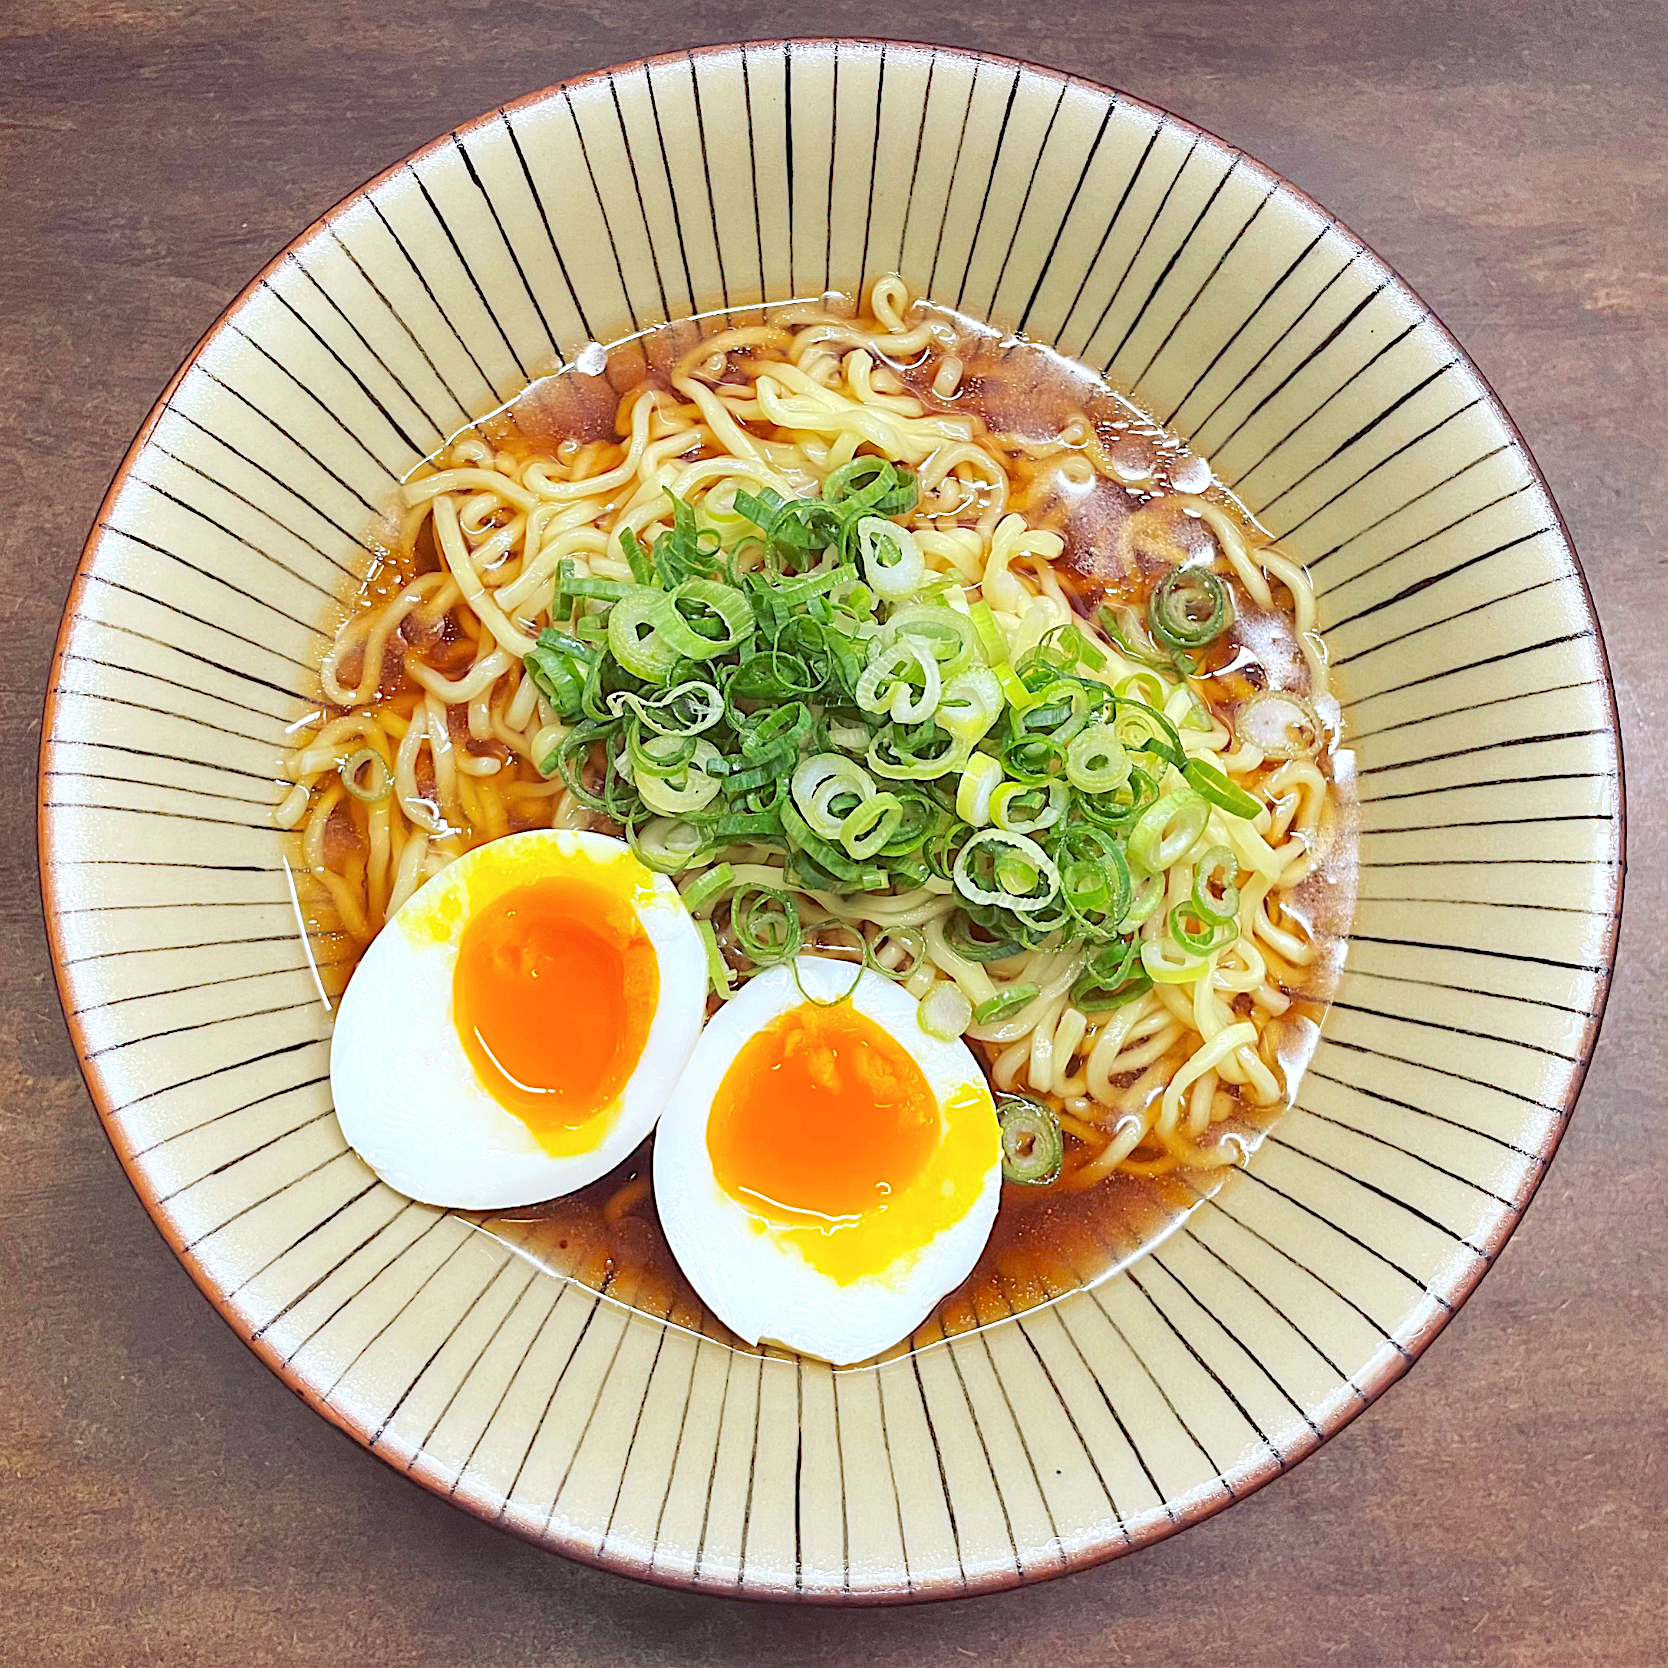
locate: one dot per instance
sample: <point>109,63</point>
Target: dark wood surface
<point>164,1500</point>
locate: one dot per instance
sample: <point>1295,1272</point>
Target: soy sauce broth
<point>1122,530</point>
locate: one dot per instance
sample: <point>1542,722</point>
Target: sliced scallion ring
<point>687,710</point>
<point>1280,725</point>
<point>868,826</point>
<point>944,1011</point>
<point>1111,976</point>
<point>1215,786</point>
<point>949,634</point>
<point>691,785</point>
<point>697,603</point>
<point>1096,761</point>
<point>959,936</point>
<point>971,703</point>
<point>892,560</point>
<point>919,753</point>
<point>366,776</point>
<point>635,638</point>
<point>1195,934</point>
<point>669,845</point>
<point>765,923</point>
<point>1033,1148</point>
<point>1143,728</point>
<point>1028,808</point>
<point>902,681</point>
<point>827,788</point>
<point>980,777</point>
<point>1215,887</point>
<point>1023,874</point>
<point>1003,1003</point>
<point>1147,895</point>
<point>1146,687</point>
<point>1166,834</point>
<point>1189,608</point>
<point>914,945</point>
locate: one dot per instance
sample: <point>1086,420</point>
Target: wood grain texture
<point>171,1504</point>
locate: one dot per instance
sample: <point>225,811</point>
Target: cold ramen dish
<point>827,813</point>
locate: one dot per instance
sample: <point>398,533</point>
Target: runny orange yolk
<point>554,989</point>
<point>821,1118</point>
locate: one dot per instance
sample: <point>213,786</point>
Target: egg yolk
<point>821,1118</point>
<point>554,990</point>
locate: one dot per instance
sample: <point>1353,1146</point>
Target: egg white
<point>408,1099</point>
<point>748,1271</point>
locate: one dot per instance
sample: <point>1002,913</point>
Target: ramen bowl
<point>1476,702</point>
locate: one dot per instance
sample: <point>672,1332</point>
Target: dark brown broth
<point>1047,1241</point>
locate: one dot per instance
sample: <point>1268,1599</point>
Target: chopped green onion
<point>708,886</point>
<point>827,788</point>
<point>1215,890</point>
<point>1168,832</point>
<point>901,681</point>
<point>944,1012</point>
<point>1013,872</point>
<point>919,753</point>
<point>568,584</point>
<point>369,789</point>
<point>1111,977</point>
<point>992,643</point>
<point>1094,878</point>
<point>718,618</point>
<point>558,664</point>
<point>719,972</point>
<point>1033,1148</point>
<point>815,694</point>
<point>971,703</point>
<point>958,934</point>
<point>868,827</point>
<point>1146,897</point>
<point>1201,938</point>
<point>980,777</point>
<point>949,634</point>
<point>669,845</point>
<point>642,568</point>
<point>766,925</point>
<point>1146,687</point>
<point>1096,761</point>
<point>892,560</point>
<point>1027,808</point>
<point>1004,1003</point>
<point>635,638</point>
<point>1144,728</point>
<point>1123,626</point>
<point>1189,608</point>
<point>1216,787</point>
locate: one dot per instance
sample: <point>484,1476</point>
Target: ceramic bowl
<point>1229,306</point>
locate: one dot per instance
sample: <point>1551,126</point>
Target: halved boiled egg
<point>826,1169</point>
<point>515,1030</point>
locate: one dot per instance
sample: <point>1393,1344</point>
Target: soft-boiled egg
<point>826,1169</point>
<point>515,1030</point>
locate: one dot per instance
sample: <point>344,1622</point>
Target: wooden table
<point>163,1499</point>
